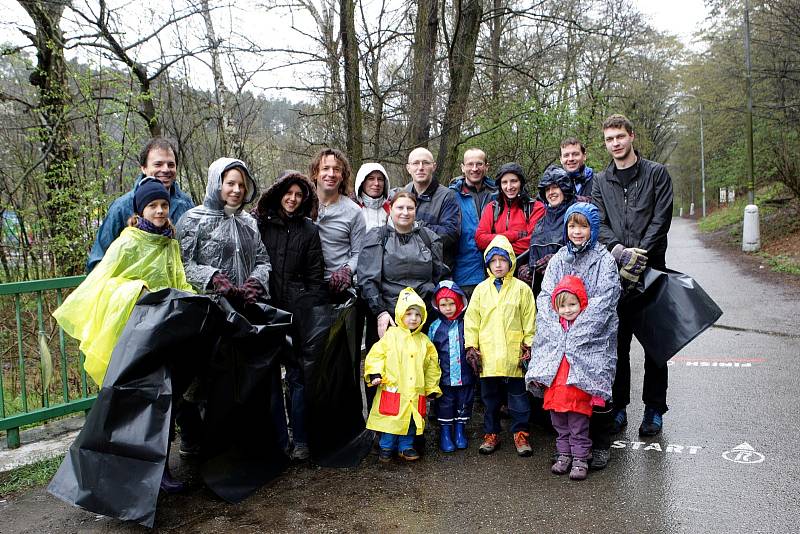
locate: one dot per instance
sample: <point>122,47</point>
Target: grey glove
<point>631,261</point>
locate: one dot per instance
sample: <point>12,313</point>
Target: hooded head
<point>500,245</point>
<point>571,284</point>
<point>513,168</point>
<point>449,289</point>
<point>270,201</point>
<point>216,171</point>
<point>365,171</point>
<point>592,214</point>
<point>408,297</point>
<point>554,175</point>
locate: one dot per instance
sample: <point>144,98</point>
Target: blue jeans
<point>297,402</point>
<point>394,442</point>
<point>518,404</point>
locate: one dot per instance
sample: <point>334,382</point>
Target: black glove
<point>474,360</point>
<point>341,279</point>
<point>251,290</point>
<point>525,274</point>
<point>541,263</point>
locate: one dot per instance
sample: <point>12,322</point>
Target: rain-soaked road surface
<point>727,460</point>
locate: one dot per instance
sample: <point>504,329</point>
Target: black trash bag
<point>670,310</point>
<point>337,432</point>
<point>114,467</point>
<point>240,449</point>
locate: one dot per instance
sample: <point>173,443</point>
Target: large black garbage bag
<point>337,432</point>
<point>114,466</point>
<point>240,445</point>
<point>670,309</point>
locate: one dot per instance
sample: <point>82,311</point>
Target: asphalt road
<point>727,460</point>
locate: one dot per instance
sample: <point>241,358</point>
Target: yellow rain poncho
<point>497,322</point>
<point>96,312</point>
<point>409,365</point>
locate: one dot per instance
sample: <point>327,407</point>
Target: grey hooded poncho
<point>590,344</point>
<point>213,241</point>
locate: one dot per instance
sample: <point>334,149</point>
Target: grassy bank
<point>29,476</point>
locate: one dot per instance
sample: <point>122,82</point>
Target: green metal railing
<point>29,395</point>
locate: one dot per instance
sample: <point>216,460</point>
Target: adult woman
<point>372,193</point>
<point>513,214</point>
<point>407,255</point>
<point>557,192</point>
<point>285,214</point>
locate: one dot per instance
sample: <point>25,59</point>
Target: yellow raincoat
<point>496,323</point>
<point>96,312</point>
<point>409,365</point>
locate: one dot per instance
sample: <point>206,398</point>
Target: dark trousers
<point>600,425</point>
<point>573,434</point>
<point>455,404</point>
<point>517,398</point>
<point>654,389</point>
<point>295,383</point>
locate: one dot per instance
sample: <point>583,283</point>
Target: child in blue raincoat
<point>404,366</point>
<point>454,407</point>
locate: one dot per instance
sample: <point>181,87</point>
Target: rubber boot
<point>461,435</point>
<point>446,438</point>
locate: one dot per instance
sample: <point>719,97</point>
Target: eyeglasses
<point>475,165</point>
<point>420,163</point>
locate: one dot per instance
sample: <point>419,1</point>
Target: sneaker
<point>385,455</point>
<point>521,443</point>
<point>300,452</point>
<point>620,421</point>
<point>490,444</point>
<point>599,459</point>
<point>409,455</point>
<point>651,423</point>
<point>580,470</point>
<point>562,465</point>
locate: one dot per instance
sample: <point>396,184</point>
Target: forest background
<point>96,78</point>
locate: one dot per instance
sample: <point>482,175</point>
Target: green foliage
<point>29,476</point>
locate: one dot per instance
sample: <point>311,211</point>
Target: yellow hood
<point>408,297</point>
<point>502,242</point>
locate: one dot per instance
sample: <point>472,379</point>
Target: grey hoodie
<point>213,241</point>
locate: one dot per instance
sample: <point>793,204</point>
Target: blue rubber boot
<point>446,438</point>
<point>461,435</point>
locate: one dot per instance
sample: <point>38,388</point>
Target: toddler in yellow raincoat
<point>404,365</point>
<point>498,330</point>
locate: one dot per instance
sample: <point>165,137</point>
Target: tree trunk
<point>422,72</point>
<point>497,27</point>
<point>50,77</point>
<point>352,89</point>
<point>462,67</point>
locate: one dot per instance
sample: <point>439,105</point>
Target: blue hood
<point>592,214</point>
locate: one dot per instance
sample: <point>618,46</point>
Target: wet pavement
<point>725,462</point>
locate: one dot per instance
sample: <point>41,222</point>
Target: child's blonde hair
<point>562,296</point>
<point>133,220</point>
<point>579,218</point>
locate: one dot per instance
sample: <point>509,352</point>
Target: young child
<point>498,330</point>
<point>404,366</point>
<point>454,407</point>
<point>585,355</point>
<point>144,256</point>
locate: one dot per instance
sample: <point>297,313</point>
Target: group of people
<point>484,284</point>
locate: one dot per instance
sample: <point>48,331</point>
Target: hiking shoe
<point>300,452</point>
<point>651,422</point>
<point>490,444</point>
<point>521,443</point>
<point>599,459</point>
<point>385,455</point>
<point>562,465</point>
<point>580,470</point>
<point>409,455</point>
<point>620,421</point>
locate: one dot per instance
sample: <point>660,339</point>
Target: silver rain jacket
<point>212,240</point>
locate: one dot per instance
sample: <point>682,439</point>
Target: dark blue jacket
<point>121,210</point>
<point>448,338</point>
<point>468,268</point>
<point>438,208</point>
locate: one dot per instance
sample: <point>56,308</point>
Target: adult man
<point>474,189</point>
<point>158,158</point>
<point>340,222</point>
<point>634,196</point>
<point>573,160</point>
<point>437,205</point>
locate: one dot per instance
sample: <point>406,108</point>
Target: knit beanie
<point>149,189</point>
